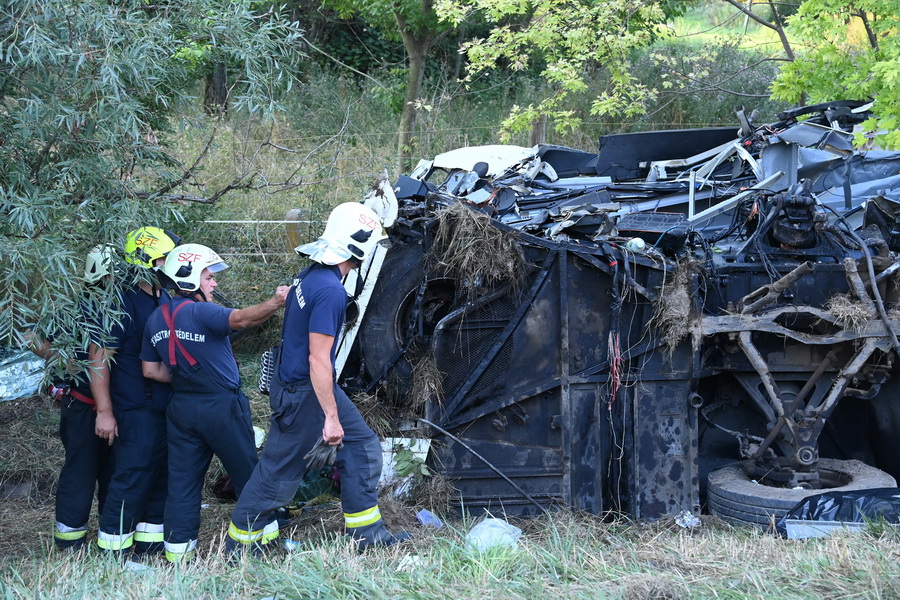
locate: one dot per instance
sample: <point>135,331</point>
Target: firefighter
<point>86,427</point>
<point>308,405</point>
<point>133,513</point>
<point>186,342</point>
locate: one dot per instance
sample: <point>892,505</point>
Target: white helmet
<point>353,230</point>
<point>185,264</point>
<point>99,263</point>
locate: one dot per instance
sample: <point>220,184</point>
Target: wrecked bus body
<point>682,319</point>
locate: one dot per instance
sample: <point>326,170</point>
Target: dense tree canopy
<point>851,50</point>
<point>90,92</point>
<point>570,38</point>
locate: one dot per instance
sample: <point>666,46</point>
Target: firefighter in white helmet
<point>87,427</point>
<point>186,341</point>
<point>308,406</point>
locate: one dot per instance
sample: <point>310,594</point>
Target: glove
<point>322,454</point>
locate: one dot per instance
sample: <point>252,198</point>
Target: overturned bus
<point>681,320</point>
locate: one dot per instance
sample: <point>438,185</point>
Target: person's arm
<point>322,378</point>
<point>258,313</point>
<point>41,348</point>
<point>157,371</point>
<point>105,425</point>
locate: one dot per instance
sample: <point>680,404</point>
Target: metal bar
<point>566,409</point>
<point>768,380</point>
<point>801,396</point>
<point>514,321</point>
<point>721,207</point>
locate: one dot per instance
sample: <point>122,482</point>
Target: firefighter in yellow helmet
<point>132,516</point>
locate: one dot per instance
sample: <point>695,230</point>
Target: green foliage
<point>852,52</point>
<point>406,463</point>
<point>416,15</point>
<point>571,38</point>
<point>364,48</point>
<point>89,93</point>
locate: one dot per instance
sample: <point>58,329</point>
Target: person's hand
<point>281,293</point>
<point>105,426</point>
<point>332,433</point>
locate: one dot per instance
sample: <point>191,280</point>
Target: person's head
<point>99,263</point>
<point>351,234</point>
<point>148,246</point>
<point>191,270</point>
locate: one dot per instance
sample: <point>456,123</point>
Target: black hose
<point>485,461</point>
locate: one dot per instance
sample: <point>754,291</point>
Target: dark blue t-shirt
<point>316,303</point>
<point>128,387</point>
<point>203,329</point>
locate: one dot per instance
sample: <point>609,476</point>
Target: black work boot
<point>377,534</point>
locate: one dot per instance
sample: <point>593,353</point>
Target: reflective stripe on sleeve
<point>149,532</point>
<point>112,541</point>
<point>363,518</point>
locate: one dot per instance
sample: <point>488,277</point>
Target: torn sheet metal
<point>21,373</point>
<point>652,171</point>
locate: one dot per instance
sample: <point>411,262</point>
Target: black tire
<point>380,336</point>
<point>731,495</point>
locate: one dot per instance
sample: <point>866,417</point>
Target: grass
<point>564,555</point>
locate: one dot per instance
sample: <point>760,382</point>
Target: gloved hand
<point>322,454</point>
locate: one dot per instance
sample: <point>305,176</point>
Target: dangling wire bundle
<point>616,366</point>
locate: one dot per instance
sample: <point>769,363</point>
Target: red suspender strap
<point>173,337</point>
<point>82,398</point>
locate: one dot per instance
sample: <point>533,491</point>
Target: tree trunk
<point>538,134</point>
<point>417,47</point>
<point>215,100</point>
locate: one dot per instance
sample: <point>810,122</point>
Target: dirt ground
<point>31,455</point>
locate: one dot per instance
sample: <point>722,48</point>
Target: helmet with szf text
<point>184,266</point>
<point>352,232</point>
<point>145,245</point>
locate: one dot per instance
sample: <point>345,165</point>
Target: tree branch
<point>751,14</point>
<point>346,66</point>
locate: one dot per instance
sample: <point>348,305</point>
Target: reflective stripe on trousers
<point>149,533</point>
<point>363,518</point>
<point>112,541</point>
<point>69,535</point>
<point>180,552</point>
<point>261,536</point>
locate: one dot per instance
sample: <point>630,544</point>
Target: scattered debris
<point>492,533</point>
<point>21,373</point>
<point>687,520</point>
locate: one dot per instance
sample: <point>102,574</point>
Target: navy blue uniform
<point>316,303</point>
<point>88,460</point>
<point>208,412</point>
<point>133,513</point>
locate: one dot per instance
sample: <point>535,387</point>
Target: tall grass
<point>564,555</point>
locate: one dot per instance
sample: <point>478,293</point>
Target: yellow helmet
<point>145,245</point>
